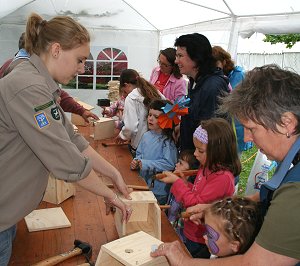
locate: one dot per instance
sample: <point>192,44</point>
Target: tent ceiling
<point>144,14</point>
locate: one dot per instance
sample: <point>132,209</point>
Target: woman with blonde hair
<point>36,136</point>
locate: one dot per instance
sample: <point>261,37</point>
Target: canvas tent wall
<point>230,18</point>
<point>141,27</point>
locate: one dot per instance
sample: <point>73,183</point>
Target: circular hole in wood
<point>128,250</point>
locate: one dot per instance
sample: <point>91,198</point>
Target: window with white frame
<point>108,66</point>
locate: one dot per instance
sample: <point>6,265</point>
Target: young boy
<point>187,161</point>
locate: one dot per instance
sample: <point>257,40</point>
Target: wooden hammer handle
<point>108,144</point>
<point>164,207</point>
<point>186,215</point>
<point>59,258</point>
<point>185,173</point>
<point>136,187</point>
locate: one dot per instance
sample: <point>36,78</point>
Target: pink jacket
<point>206,189</point>
<point>174,88</point>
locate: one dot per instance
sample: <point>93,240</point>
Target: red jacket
<point>68,104</point>
<point>4,67</point>
<point>206,189</point>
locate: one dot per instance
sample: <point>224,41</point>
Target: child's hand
<point>170,177</point>
<point>182,176</point>
<point>136,164</point>
<point>119,114</point>
<point>198,213</point>
<point>105,112</point>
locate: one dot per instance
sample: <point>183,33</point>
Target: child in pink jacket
<point>216,151</point>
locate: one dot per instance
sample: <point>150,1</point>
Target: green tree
<point>288,39</point>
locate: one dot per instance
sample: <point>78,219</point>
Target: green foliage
<point>288,39</point>
<point>82,85</point>
<point>247,160</point>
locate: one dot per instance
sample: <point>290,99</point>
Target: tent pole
<point>233,38</point>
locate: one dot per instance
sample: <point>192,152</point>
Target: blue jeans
<point>6,239</point>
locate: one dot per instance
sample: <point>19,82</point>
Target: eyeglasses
<point>163,64</point>
<point>212,238</point>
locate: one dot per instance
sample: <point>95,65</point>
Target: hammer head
<point>85,247</point>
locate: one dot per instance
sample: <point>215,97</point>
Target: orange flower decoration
<point>172,113</point>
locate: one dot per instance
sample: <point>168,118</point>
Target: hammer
<point>108,144</point>
<point>79,248</point>
<point>184,173</point>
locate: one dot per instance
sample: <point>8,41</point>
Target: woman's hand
<point>116,202</point>
<point>122,187</point>
<point>173,252</point>
<point>88,114</point>
<point>170,177</point>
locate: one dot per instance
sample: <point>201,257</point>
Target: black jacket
<point>203,105</point>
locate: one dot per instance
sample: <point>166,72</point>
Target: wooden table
<point>86,213</point>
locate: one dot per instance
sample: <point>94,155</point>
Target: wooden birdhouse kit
<point>131,250</point>
<point>58,190</point>
<point>146,215</point>
<point>104,128</point>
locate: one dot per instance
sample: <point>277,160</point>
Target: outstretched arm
<point>93,183</point>
<point>255,256</point>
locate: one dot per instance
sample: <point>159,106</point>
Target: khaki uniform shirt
<point>35,138</point>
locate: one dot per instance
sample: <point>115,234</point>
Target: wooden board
<point>146,215</point>
<point>86,105</point>
<point>46,219</point>
<point>130,250</point>
<point>140,197</point>
<point>104,128</point>
<point>58,190</point>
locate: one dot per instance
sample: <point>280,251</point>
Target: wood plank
<point>133,250</point>
<point>46,219</point>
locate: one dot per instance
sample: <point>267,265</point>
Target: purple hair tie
<point>201,135</point>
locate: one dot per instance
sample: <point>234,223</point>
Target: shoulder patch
<point>43,106</point>
<point>55,113</point>
<point>41,120</point>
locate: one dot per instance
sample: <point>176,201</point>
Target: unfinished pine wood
<point>131,250</point>
<point>104,128</point>
<point>58,190</point>
<point>46,219</point>
<point>86,105</point>
<point>77,119</point>
<point>146,215</point>
<point>140,197</point>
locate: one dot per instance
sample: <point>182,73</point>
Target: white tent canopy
<point>141,27</point>
<point>167,17</point>
<point>268,16</point>
<point>155,14</point>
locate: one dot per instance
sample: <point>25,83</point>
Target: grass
<point>247,160</point>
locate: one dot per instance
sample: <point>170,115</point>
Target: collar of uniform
<point>36,61</point>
